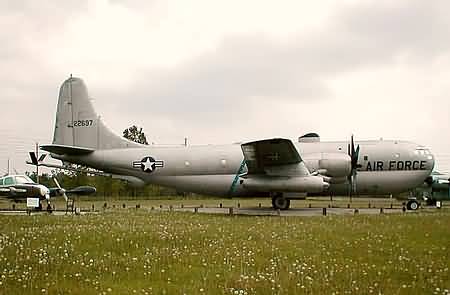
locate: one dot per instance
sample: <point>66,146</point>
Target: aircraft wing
<point>269,155</point>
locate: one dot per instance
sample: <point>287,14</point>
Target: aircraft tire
<point>412,205</point>
<point>280,202</point>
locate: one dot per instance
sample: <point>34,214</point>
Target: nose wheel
<point>412,205</point>
<point>280,202</point>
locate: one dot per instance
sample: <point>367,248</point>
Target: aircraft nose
<point>425,155</point>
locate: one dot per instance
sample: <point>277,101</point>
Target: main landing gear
<point>280,202</point>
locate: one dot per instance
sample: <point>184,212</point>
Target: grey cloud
<point>246,70</point>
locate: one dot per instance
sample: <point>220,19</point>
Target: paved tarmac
<point>265,211</point>
<point>249,211</point>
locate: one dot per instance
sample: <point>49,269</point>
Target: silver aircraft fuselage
<point>385,166</point>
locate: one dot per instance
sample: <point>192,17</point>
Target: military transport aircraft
<point>275,167</point>
<point>18,188</point>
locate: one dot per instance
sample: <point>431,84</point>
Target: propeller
<point>61,191</point>
<point>83,190</point>
<point>354,155</point>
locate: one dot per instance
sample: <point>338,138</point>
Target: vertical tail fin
<point>77,123</point>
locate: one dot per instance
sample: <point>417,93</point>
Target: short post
<point>381,210</point>
<point>348,205</point>
<point>170,208</point>
<point>114,206</point>
<point>329,205</point>
<point>124,206</point>
<point>14,206</point>
<point>404,208</point>
<point>153,208</point>
<point>324,211</point>
<point>93,208</point>
<point>259,205</point>
<point>138,206</point>
<point>356,211</point>
<point>160,206</point>
<point>196,210</point>
<point>370,205</point>
<point>105,205</point>
<point>309,205</point>
<point>201,205</point>
<point>392,205</point>
<point>239,205</point>
<point>220,205</point>
<point>182,206</point>
<point>230,211</point>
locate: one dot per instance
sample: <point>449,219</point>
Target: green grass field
<point>137,252</point>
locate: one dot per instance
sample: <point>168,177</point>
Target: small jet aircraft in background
<point>275,168</point>
<point>18,188</point>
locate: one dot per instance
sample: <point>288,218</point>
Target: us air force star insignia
<point>148,164</point>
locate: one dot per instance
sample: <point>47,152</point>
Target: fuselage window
<point>396,155</point>
<point>187,163</point>
<point>223,162</point>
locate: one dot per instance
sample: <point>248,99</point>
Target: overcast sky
<point>228,71</point>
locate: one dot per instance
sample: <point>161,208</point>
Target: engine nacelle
<point>332,164</point>
<point>303,184</point>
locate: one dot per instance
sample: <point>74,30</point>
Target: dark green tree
<point>135,134</point>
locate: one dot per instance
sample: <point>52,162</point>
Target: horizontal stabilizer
<point>66,150</point>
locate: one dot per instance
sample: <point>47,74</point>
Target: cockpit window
<point>8,181</point>
<point>422,151</point>
<point>23,179</point>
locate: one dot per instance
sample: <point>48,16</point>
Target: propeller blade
<point>56,182</point>
<point>42,157</point>
<point>33,158</point>
<point>61,190</point>
<point>354,156</point>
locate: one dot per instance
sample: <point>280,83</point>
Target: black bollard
<point>124,206</point>
<point>230,211</point>
<point>356,211</point>
<point>195,210</point>
<point>220,205</point>
<point>381,210</point>
<point>259,205</point>
<point>324,211</point>
<point>239,205</point>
